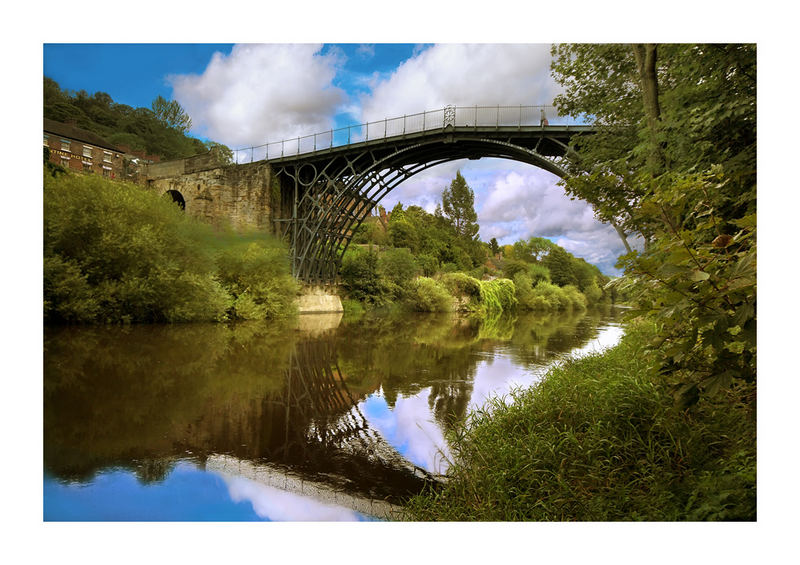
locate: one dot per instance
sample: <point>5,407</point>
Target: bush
<point>575,297</point>
<point>359,276</point>
<point>513,266</point>
<point>538,273</point>
<point>258,277</point>
<point>129,255</point>
<point>427,295</point>
<point>397,266</point>
<point>461,284</point>
<point>497,296</point>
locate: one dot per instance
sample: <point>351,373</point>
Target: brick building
<point>80,150</point>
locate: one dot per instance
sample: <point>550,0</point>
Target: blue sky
<point>246,94</point>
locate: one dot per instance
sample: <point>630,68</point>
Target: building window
<point>65,145</point>
<point>65,162</point>
<point>107,156</point>
<point>106,172</point>
<point>46,140</point>
<point>87,167</point>
<point>87,152</point>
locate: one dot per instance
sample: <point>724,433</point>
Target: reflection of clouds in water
<point>498,377</point>
<point>410,428</point>
<point>608,337</point>
<point>281,506</point>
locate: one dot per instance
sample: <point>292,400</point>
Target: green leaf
<point>697,276</point>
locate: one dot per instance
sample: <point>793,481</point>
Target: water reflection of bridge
<point>326,436</point>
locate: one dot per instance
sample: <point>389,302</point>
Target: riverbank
<point>599,439</point>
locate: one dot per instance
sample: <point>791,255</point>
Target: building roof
<point>74,132</point>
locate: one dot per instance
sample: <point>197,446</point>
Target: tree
<point>494,246</point>
<point>458,205</point>
<point>675,159</point>
<point>172,114</point>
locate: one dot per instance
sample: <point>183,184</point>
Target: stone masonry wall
<point>237,195</point>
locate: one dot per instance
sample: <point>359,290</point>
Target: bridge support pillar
<point>319,300</point>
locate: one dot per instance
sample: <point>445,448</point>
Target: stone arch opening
<point>177,198</point>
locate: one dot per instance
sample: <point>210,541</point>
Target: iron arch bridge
<point>333,180</point>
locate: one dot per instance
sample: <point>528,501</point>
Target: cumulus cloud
<point>262,93</point>
<point>463,74</point>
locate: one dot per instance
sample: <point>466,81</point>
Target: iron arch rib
<point>337,191</point>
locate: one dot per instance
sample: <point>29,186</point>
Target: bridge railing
<point>457,116</point>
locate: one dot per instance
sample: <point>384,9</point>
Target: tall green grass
<point>599,439</point>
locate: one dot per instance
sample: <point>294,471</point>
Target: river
<point>320,419</point>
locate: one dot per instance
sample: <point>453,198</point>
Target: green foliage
<point>697,212</point>
<point>513,266</point>
<point>116,253</point>
<point>538,273</point>
<point>560,264</point>
<point>360,277</point>
<point>598,439</point>
<point>370,231</point>
<point>402,233</point>
<point>458,205</point>
<point>397,265</point>
<point>137,253</point>
<point>547,297</point>
<point>258,277</point>
<point>698,282</point>
<point>461,284</point>
<point>427,295</point>
<point>497,296</point>
<point>171,114</point>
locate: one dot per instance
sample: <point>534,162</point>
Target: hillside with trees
<point>161,130</point>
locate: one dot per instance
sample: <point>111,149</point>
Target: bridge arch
<point>336,224</point>
<point>177,198</point>
<point>334,189</point>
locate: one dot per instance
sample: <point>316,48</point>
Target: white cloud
<point>282,506</point>
<point>463,74</point>
<point>262,93</point>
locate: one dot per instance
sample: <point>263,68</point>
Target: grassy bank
<point>600,439</point>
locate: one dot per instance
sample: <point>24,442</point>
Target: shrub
<point>593,292</point>
<point>575,297</point>
<point>497,295</point>
<point>428,264</point>
<point>116,253</point>
<point>538,273</point>
<point>258,277</point>
<point>359,276</point>
<point>130,255</point>
<point>427,295</point>
<point>513,266</point>
<point>397,266</point>
<point>461,284</point>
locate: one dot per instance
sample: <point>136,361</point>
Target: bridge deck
<point>541,137</point>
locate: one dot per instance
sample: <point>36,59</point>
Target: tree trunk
<point>622,236</point>
<point>646,55</point>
